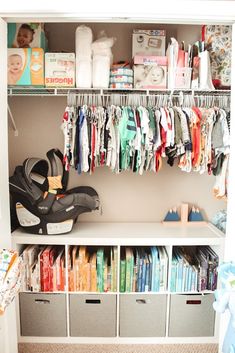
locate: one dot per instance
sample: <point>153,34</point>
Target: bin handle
<point>194,302</point>
<point>141,301</point>
<point>93,301</point>
<point>42,301</point>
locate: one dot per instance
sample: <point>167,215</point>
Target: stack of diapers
<point>102,60</point>
<point>25,67</point>
<point>59,69</point>
<point>121,77</point>
<point>83,43</point>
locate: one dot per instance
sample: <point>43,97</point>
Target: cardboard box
<point>60,69</point>
<point>150,76</point>
<point>148,42</point>
<point>26,35</point>
<point>150,60</point>
<point>25,67</point>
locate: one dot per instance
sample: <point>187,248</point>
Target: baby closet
<point>133,205</point>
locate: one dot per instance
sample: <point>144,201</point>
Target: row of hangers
<point>213,99</point>
<point>152,100</point>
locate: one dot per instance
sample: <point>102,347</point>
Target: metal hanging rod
<point>44,91</point>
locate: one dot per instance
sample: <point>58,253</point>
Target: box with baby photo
<point>60,70</point>
<point>150,76</point>
<point>26,35</point>
<point>25,67</point>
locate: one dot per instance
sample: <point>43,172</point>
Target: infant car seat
<point>41,202</point>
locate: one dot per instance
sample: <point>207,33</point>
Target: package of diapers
<point>60,69</point>
<point>26,35</point>
<point>83,41</point>
<point>25,67</point>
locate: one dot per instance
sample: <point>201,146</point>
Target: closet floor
<point>109,348</point>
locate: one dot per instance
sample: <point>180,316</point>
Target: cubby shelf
<point>119,307</point>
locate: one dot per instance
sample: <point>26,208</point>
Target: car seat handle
<point>54,166</point>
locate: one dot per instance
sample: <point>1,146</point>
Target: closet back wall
<point>125,197</point>
<point>62,36</point>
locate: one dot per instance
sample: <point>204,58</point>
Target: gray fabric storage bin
<point>93,315</point>
<point>191,315</point>
<point>43,315</point>
<point>143,315</point>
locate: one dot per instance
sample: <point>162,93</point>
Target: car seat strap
<point>45,205</point>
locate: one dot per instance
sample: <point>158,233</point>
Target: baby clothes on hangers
<point>112,143</point>
<point>137,138</point>
<point>67,127</point>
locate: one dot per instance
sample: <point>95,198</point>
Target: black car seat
<point>42,203</point>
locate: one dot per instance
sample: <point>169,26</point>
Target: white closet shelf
<point>99,233</point>
<point>46,91</point>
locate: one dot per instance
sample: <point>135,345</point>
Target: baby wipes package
<point>25,67</point>
<point>26,35</point>
<point>60,69</point>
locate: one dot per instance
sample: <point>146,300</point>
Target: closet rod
<point>44,91</point>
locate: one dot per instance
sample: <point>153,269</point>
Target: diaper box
<point>60,69</point>
<point>150,60</point>
<point>150,72</point>
<point>148,42</point>
<point>25,67</point>
<point>26,35</point>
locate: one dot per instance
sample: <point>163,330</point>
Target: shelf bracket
<point>12,121</point>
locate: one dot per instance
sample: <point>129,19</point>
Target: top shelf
<point>45,91</point>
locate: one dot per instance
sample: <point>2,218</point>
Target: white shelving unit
<point>213,12</point>
<point>121,235</point>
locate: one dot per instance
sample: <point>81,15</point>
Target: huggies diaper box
<point>25,67</point>
<point>60,69</point>
<point>26,35</point>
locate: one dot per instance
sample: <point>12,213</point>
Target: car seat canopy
<point>36,171</point>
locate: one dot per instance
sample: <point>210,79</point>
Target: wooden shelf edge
<point>185,224</point>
